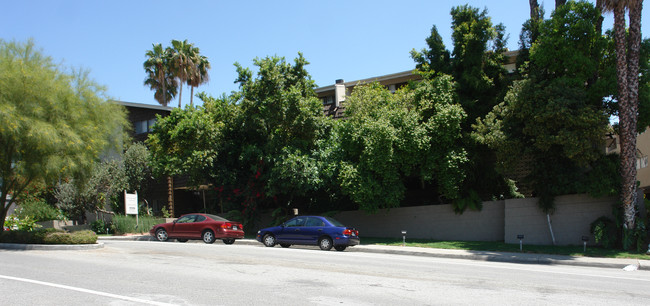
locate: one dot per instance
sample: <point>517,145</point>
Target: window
<point>140,127</point>
<point>314,222</point>
<point>328,100</point>
<point>144,126</point>
<point>300,221</point>
<point>150,124</point>
<point>641,162</point>
<point>186,219</point>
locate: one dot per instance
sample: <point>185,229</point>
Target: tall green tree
<point>159,77</point>
<point>243,143</point>
<point>279,121</point>
<point>55,123</point>
<point>555,117</point>
<point>476,65</point>
<point>387,138</point>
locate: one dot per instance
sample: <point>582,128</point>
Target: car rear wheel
<point>340,248</point>
<point>208,236</point>
<point>229,240</point>
<point>161,235</point>
<point>325,243</point>
<point>181,240</point>
<point>269,240</point>
<point>285,245</point>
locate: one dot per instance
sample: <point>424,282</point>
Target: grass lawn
<point>503,247</point>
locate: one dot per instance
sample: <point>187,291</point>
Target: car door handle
<point>320,229</point>
<point>297,230</point>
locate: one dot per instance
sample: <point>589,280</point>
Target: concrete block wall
<point>570,221</point>
<point>438,222</point>
<point>498,221</point>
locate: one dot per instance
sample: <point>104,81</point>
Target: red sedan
<point>199,226</point>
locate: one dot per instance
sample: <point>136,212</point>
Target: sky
<point>348,40</point>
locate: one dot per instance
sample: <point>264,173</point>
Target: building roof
<point>142,105</point>
<point>406,75</point>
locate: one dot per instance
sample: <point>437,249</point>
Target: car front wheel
<point>269,240</point>
<point>325,243</point>
<point>161,235</point>
<point>229,240</point>
<point>208,236</point>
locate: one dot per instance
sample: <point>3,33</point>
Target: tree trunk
<point>170,195</point>
<point>4,208</point>
<point>191,95</point>
<point>627,121</point>
<point>534,9</point>
<point>599,25</point>
<point>163,80</point>
<point>559,3</point>
<point>180,93</point>
<point>633,46</point>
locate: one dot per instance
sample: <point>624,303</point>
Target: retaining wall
<point>498,221</point>
<point>437,222</point>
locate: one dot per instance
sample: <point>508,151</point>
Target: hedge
<point>48,236</point>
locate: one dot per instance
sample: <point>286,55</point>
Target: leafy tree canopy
<point>55,123</point>
<point>388,137</point>
<point>554,119</point>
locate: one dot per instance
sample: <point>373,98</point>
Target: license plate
<point>354,234</point>
<point>235,227</point>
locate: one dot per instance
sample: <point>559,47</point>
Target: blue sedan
<point>324,232</point>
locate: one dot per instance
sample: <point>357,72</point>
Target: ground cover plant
<point>500,246</point>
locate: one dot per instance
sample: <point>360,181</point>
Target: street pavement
<point>523,257</point>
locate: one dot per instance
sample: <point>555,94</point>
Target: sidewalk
<point>524,258</point>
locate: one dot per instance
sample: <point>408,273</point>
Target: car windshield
<point>334,222</point>
<point>216,218</point>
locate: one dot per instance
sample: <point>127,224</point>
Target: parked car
<point>199,226</point>
<point>324,232</point>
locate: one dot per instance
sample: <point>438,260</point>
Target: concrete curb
<point>50,247</point>
<point>522,258</point>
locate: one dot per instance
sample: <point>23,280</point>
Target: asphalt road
<point>155,273</point>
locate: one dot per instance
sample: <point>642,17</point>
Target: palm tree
<point>627,72</point>
<point>159,77</point>
<point>163,92</point>
<point>199,73</point>
<point>181,63</point>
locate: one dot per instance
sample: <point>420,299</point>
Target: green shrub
<point>127,224</point>
<point>48,236</point>
<point>101,227</point>
<point>80,237</point>
<point>605,232</point>
<point>38,210</point>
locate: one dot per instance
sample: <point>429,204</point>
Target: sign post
<point>131,205</point>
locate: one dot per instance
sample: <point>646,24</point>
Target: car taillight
<point>234,226</point>
<point>349,232</point>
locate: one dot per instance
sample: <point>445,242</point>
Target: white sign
<point>131,203</point>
